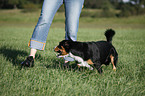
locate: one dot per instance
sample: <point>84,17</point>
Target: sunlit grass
<point>49,78</point>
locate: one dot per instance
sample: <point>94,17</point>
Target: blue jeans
<point>72,13</point>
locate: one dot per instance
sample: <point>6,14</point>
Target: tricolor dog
<point>90,53</point>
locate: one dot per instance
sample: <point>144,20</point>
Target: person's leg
<point>72,13</point>
<point>39,36</point>
<point>41,30</point>
<point>33,52</point>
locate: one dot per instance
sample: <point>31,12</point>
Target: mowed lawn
<point>49,78</point>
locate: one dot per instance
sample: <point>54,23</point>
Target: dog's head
<point>63,48</point>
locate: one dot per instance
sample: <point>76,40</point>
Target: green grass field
<point>49,78</point>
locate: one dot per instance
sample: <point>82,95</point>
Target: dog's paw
<point>91,68</point>
<point>79,65</point>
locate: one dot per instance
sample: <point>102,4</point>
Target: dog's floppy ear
<point>67,45</point>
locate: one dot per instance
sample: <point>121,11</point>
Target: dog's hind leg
<point>98,66</point>
<point>113,61</point>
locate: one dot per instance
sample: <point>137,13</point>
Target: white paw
<point>79,65</point>
<point>91,68</point>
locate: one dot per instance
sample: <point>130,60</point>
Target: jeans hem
<point>36,44</point>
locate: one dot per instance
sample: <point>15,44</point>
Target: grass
<point>49,78</point>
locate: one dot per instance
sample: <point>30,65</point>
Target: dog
<point>90,53</point>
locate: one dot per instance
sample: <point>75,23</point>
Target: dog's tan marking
<point>56,49</point>
<point>112,61</point>
<point>63,51</point>
<point>90,61</point>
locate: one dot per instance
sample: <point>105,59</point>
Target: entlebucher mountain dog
<point>90,53</point>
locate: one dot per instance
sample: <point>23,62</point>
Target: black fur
<point>99,52</point>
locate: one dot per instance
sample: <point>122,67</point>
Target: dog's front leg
<point>82,62</point>
<point>85,64</point>
<point>88,66</point>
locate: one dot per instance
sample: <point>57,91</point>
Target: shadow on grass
<point>12,55</point>
<point>59,64</point>
<point>71,66</point>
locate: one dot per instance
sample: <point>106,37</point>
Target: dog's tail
<point>109,35</point>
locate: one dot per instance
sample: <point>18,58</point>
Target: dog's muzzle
<point>59,55</point>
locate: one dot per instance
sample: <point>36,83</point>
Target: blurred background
<point>126,14</point>
<point>108,8</point>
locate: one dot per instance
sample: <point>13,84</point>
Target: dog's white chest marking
<point>82,62</point>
